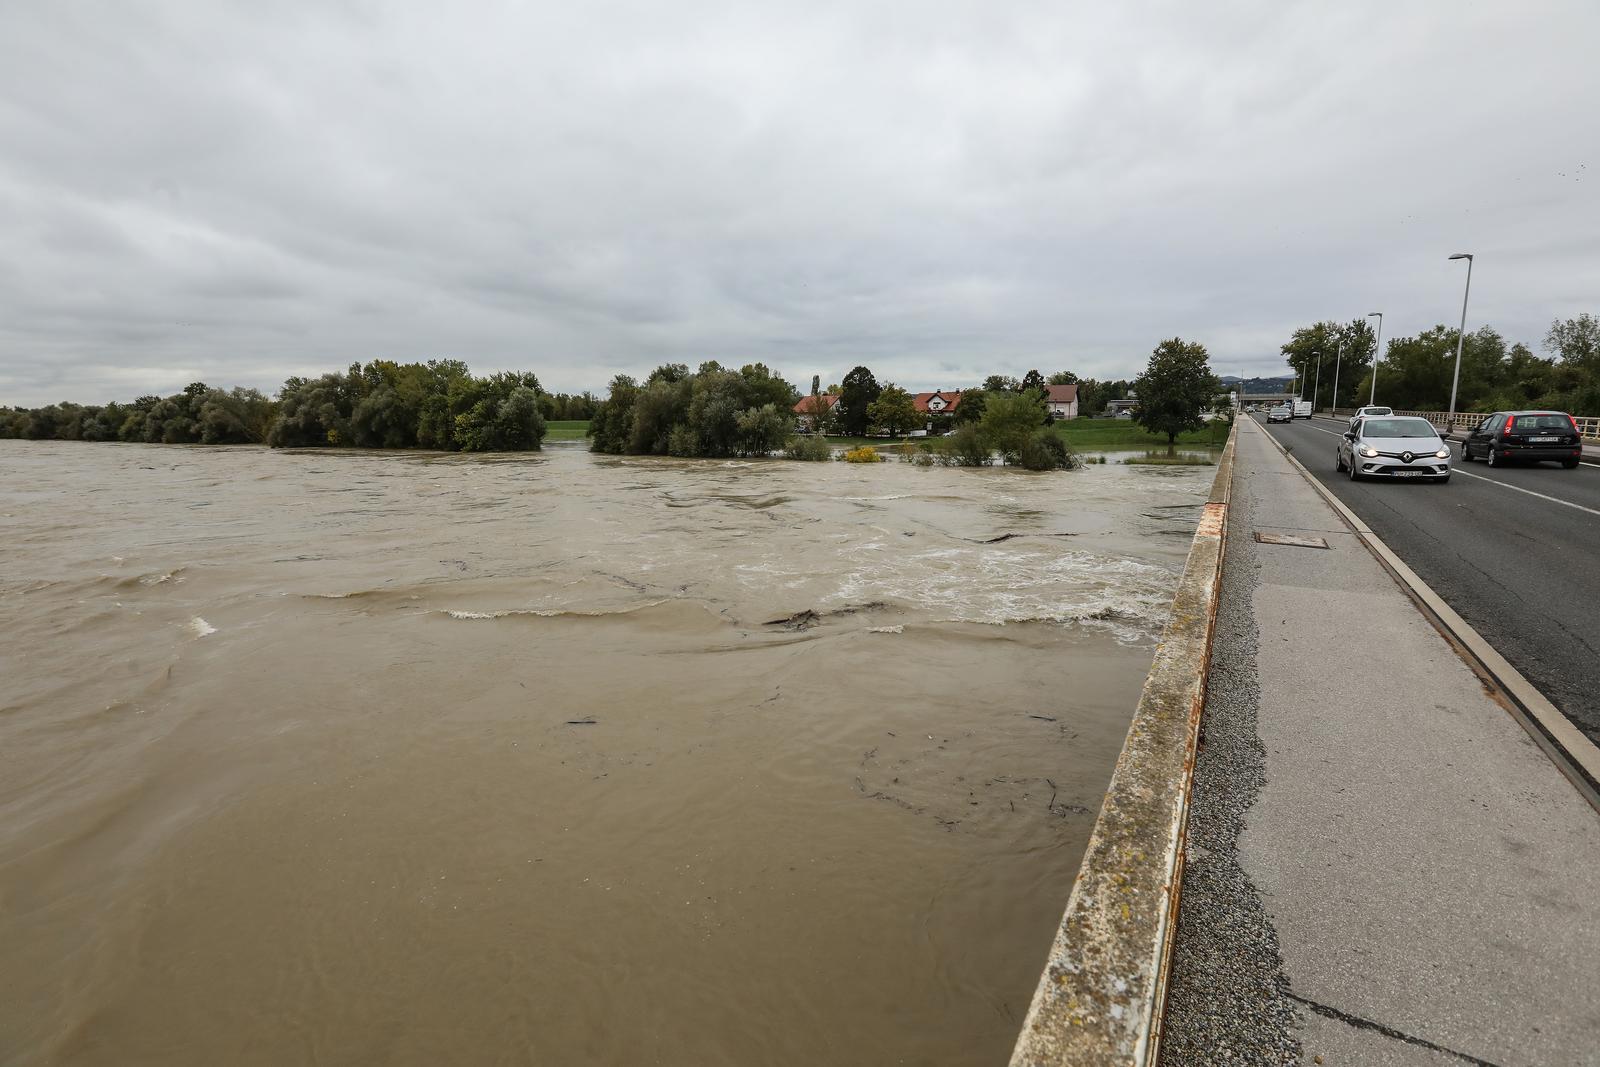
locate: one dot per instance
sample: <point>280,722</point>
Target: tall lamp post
<point>1318,387</point>
<point>1337,360</point>
<point>1461,335</point>
<point>1377,351</point>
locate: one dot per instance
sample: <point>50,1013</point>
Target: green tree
<point>1001,383</point>
<point>969,410</point>
<point>717,399</point>
<point>504,416</point>
<point>311,412</point>
<point>1063,377</point>
<point>895,411</point>
<point>238,417</point>
<point>762,430</point>
<point>856,395</point>
<point>1032,380</point>
<point>1576,342</point>
<point>1010,420</point>
<point>611,428</point>
<point>1319,345</point>
<point>1176,384</point>
<point>1415,372</point>
<point>967,447</point>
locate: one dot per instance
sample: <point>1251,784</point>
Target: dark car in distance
<point>1525,435</point>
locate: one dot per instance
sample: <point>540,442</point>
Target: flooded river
<point>357,758</point>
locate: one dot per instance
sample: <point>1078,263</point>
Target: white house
<point>937,402</point>
<point>1062,400</point>
<point>803,408</point>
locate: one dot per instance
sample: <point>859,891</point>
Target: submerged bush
<point>967,447</point>
<point>808,449</point>
<point>1044,450</point>
<point>708,412</point>
<point>864,454</point>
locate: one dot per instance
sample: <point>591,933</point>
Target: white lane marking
<point>1530,492</point>
<point>1493,481</point>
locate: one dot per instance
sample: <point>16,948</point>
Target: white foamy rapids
<point>886,629</point>
<point>199,627</point>
<point>1129,599</point>
<point>550,613</point>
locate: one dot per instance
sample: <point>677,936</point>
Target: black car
<point>1530,435</point>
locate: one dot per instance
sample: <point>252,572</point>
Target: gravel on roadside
<point>1225,1000</point>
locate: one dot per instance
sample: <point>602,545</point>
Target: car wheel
<point>1355,476</point>
<point>1570,464</point>
<point>1466,452</point>
<point>1338,460</point>
<point>1494,458</point>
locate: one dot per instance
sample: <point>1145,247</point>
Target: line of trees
<point>1415,372</point>
<point>439,404</point>
<point>197,415</point>
<point>711,411</point>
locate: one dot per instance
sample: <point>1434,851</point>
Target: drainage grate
<point>1290,539</point>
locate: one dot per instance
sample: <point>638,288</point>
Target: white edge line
<point>1575,745</point>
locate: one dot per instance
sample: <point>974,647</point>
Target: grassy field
<point>1088,435</point>
<point>566,431</point>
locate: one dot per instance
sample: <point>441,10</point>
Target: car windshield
<point>1544,421</point>
<point>1398,428</point>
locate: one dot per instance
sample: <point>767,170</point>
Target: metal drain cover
<point>1290,539</point>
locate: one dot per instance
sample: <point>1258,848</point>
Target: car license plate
<point>1543,440</point>
<point>1409,474</point>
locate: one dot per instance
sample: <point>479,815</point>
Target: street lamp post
<point>1461,335</point>
<point>1377,350</point>
<point>1318,387</point>
<point>1337,360</point>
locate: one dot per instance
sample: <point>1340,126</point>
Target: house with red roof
<point>1062,400</point>
<point>937,402</point>
<point>806,406</point>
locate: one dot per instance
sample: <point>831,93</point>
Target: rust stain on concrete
<point>1099,1000</point>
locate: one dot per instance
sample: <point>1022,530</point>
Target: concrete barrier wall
<point>1099,1000</point>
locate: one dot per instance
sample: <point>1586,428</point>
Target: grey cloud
<point>241,192</point>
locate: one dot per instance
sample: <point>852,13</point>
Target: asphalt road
<point>1514,550</point>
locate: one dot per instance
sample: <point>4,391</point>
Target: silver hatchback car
<point>1394,447</point>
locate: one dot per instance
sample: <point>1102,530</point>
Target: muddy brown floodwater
<point>351,758</point>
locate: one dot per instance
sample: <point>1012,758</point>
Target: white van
<point>1302,409</point>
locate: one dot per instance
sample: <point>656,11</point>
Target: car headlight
<point>1368,451</point>
<point>1443,453</point>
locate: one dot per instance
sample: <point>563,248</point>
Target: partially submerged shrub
<point>1044,450</point>
<point>920,452</point>
<point>809,449</point>
<point>967,447</point>
<point>864,454</point>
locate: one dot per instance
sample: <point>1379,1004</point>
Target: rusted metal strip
<point>1099,1000</point>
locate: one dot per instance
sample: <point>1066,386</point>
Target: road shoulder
<point>1423,872</point>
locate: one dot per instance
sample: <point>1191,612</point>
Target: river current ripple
<point>395,758</point>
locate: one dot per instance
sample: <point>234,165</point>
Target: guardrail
<point>1100,998</point>
<point>1588,425</point>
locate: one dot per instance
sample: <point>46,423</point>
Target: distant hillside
<point>1258,385</point>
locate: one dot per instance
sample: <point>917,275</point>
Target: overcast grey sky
<point>236,192</point>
